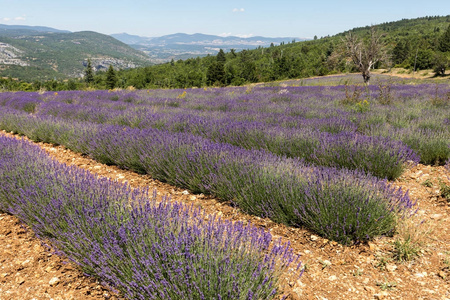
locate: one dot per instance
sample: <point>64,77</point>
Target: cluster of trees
<point>426,38</point>
<point>235,68</point>
<point>110,80</point>
<point>424,53</point>
<point>422,43</point>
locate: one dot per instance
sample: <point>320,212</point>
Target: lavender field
<point>374,130</point>
<point>312,156</point>
<point>146,249</point>
<point>290,153</point>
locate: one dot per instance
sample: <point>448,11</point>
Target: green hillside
<point>409,42</point>
<point>422,43</point>
<point>35,55</point>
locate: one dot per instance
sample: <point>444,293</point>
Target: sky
<point>280,18</point>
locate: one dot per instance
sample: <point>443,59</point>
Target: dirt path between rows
<point>29,271</point>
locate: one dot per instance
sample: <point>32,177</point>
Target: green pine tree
<point>441,63</point>
<point>221,58</point>
<point>444,42</point>
<point>111,78</point>
<point>89,73</point>
<point>400,52</point>
<point>215,74</point>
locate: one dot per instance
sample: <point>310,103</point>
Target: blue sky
<point>242,18</point>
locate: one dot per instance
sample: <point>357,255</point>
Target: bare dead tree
<point>365,53</point>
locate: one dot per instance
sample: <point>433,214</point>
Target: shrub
<point>444,190</point>
<point>433,146</point>
<point>412,234</point>
<point>346,206</point>
<point>352,97</point>
<point>253,121</point>
<point>145,249</point>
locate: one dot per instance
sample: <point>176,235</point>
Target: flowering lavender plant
<point>145,249</point>
<point>258,181</point>
<point>329,141</point>
<point>256,118</point>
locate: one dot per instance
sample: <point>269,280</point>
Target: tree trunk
<point>366,76</point>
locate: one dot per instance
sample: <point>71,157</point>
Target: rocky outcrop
<point>10,55</point>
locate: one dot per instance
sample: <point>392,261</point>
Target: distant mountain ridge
<point>201,39</point>
<point>11,28</point>
<point>182,46</point>
<point>40,52</point>
<point>37,53</point>
<point>412,43</point>
<point>46,53</point>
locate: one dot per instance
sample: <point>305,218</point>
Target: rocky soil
<point>29,270</point>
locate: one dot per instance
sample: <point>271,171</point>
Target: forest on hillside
<point>415,44</point>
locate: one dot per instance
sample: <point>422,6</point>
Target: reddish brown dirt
<point>28,270</point>
<point>332,271</point>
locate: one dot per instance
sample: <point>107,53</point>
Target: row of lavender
<point>417,115</point>
<point>147,249</point>
<point>381,156</point>
<point>286,123</point>
<point>342,205</point>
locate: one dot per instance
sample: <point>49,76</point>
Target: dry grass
<point>412,235</point>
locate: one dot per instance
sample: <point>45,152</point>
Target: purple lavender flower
<point>145,249</point>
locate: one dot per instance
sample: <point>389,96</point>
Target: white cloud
<point>245,35</point>
<point>238,10</point>
<point>8,19</point>
<point>225,34</point>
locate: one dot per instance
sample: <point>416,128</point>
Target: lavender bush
<point>328,141</point>
<point>412,114</point>
<point>346,206</point>
<point>258,181</point>
<point>146,249</point>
